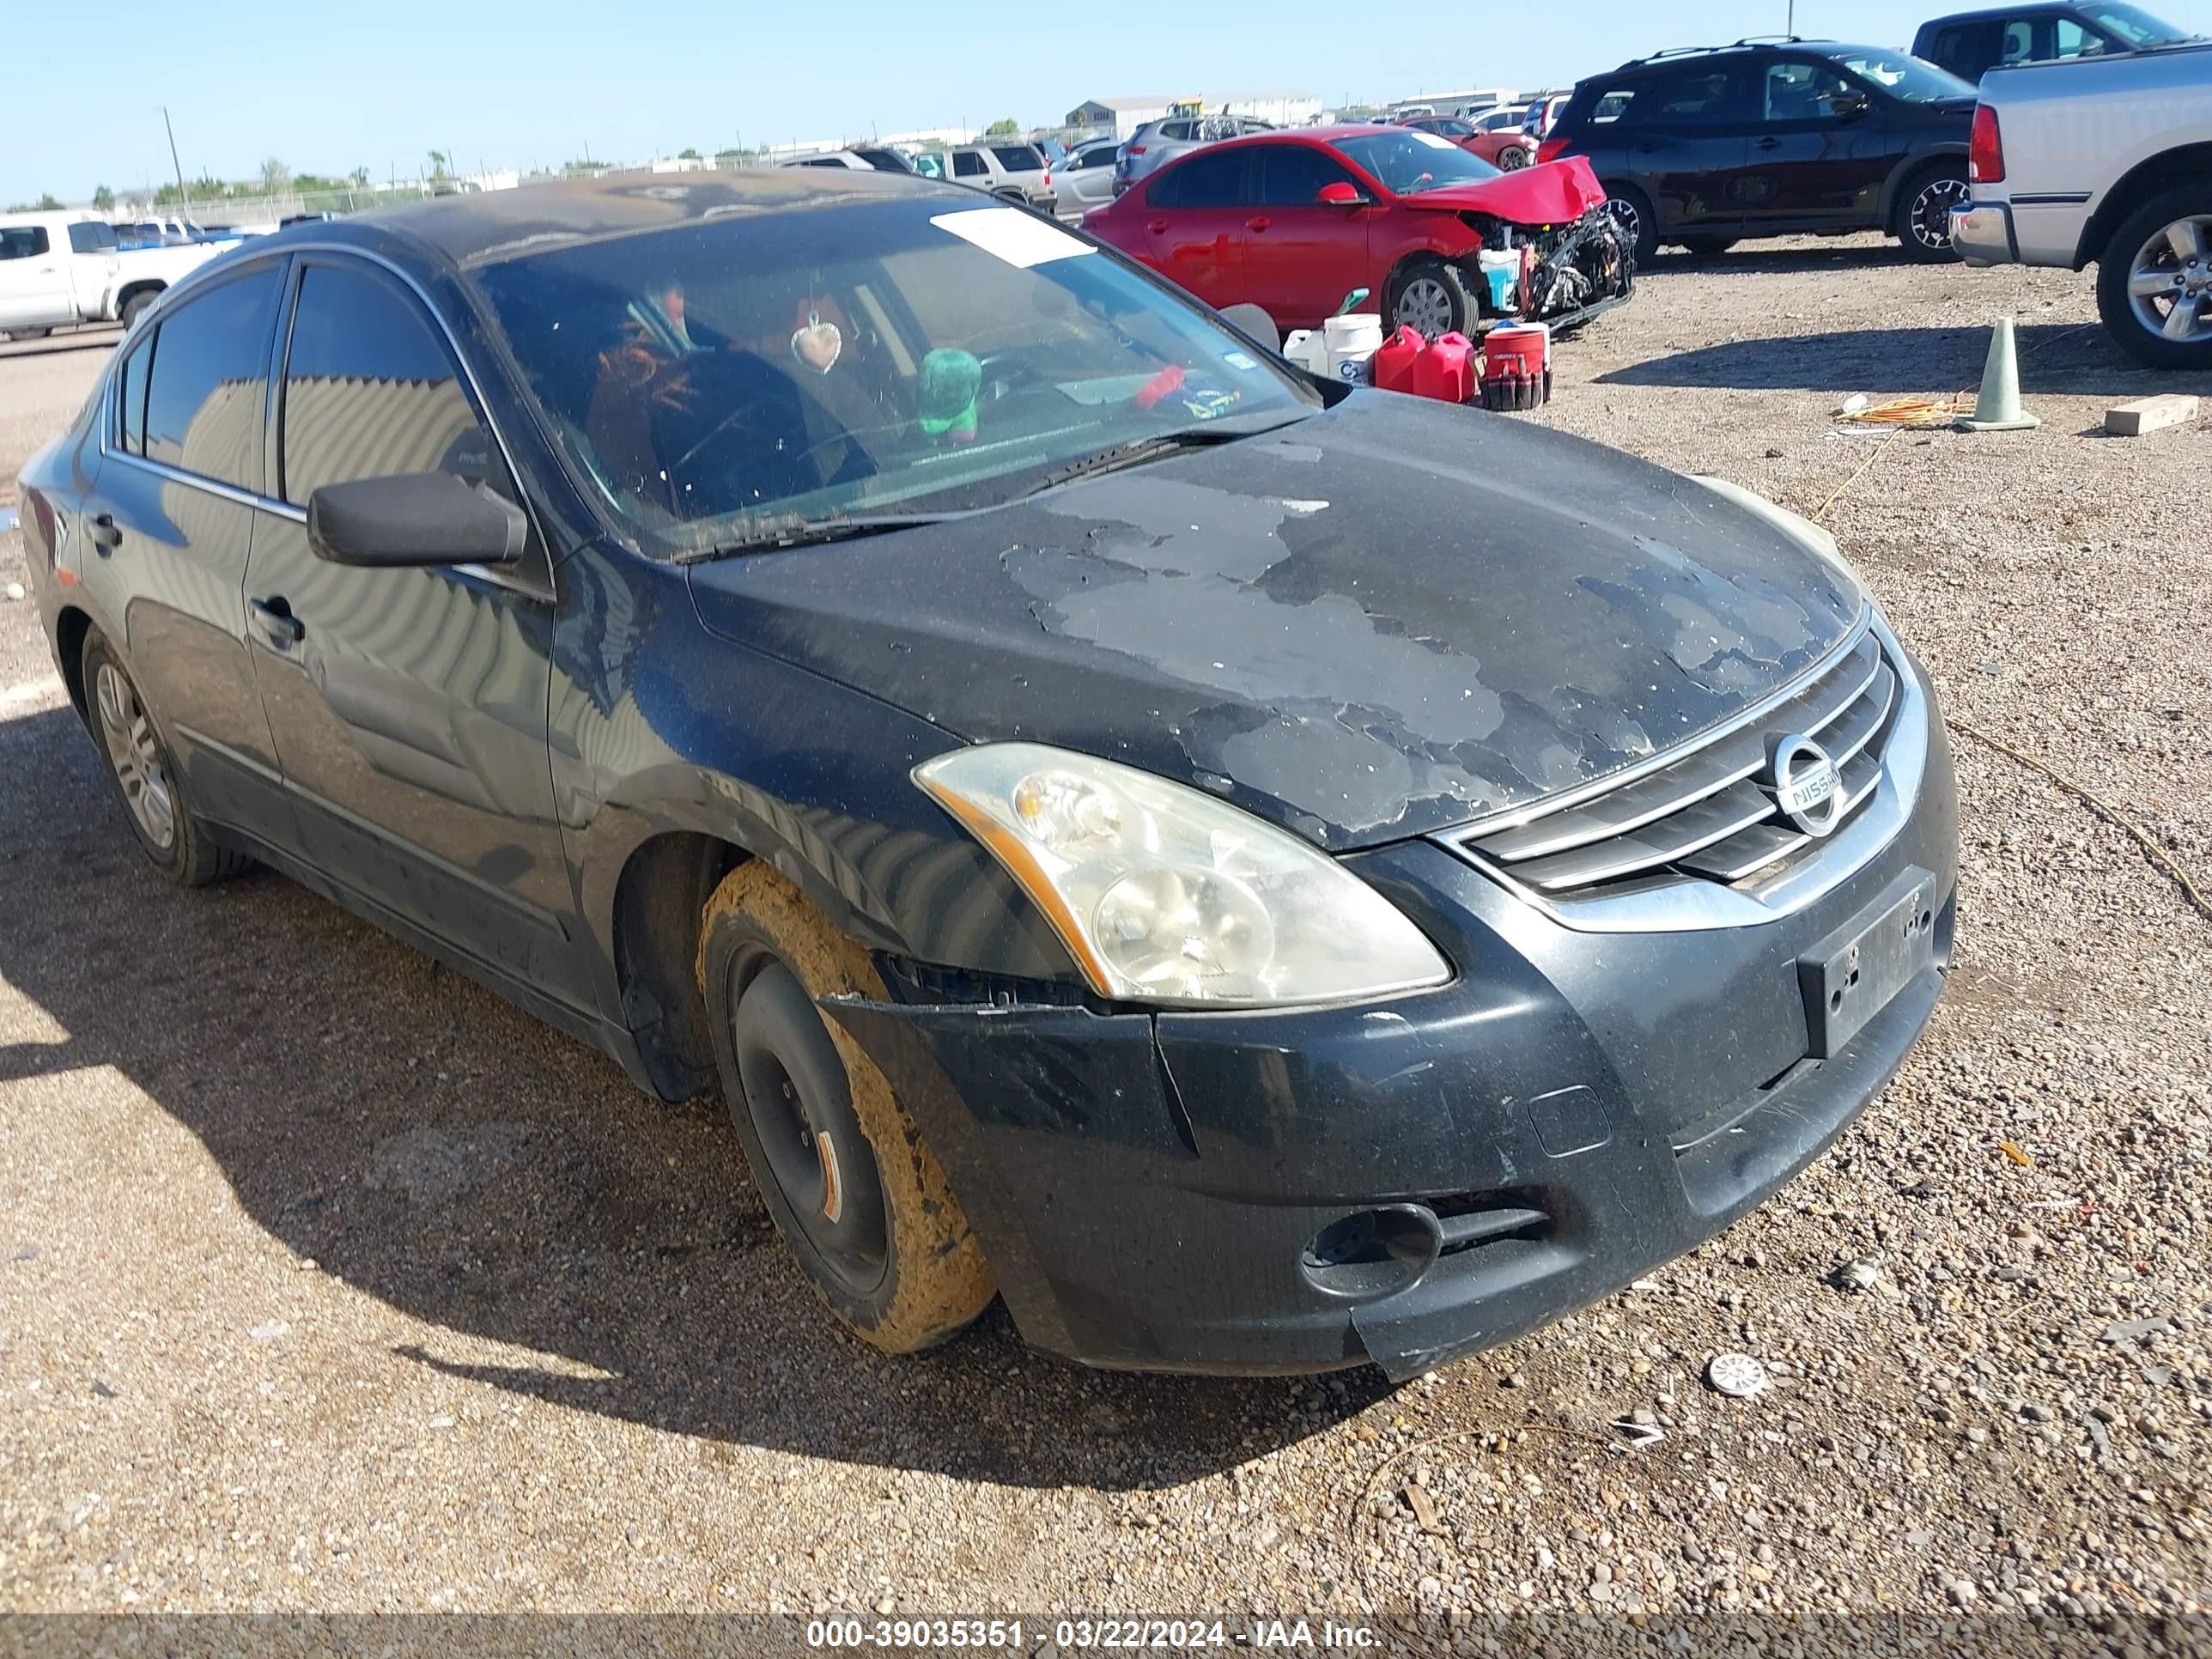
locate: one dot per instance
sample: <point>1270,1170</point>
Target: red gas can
<point>1445,368</point>
<point>1514,373</point>
<point>1394,361</point>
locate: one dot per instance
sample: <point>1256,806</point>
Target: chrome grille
<point>1707,814</point>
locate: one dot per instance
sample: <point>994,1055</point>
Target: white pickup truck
<point>61,269</point>
<point>2103,160</point>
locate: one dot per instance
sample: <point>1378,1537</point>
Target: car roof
<point>482,227</point>
<point>2025,8</point>
<point>1659,62</point>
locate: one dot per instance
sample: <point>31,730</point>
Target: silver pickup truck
<point>2103,160</point>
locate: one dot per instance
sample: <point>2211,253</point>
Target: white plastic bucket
<point>1351,342</point>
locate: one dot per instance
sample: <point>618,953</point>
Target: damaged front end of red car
<point>1567,259</point>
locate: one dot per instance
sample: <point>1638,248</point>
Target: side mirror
<point>1339,194</point>
<point>1847,105</point>
<point>414,520</point>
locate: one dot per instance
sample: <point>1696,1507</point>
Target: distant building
<point>1124,116</point>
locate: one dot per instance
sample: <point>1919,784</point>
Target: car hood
<point>1385,619</point>
<point>1550,193</point>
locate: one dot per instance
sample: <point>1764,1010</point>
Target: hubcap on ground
<point>2170,281</point>
<point>1425,305</point>
<point>136,754</point>
<point>1930,216</point>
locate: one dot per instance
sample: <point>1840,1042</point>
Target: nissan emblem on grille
<point>1805,784</point>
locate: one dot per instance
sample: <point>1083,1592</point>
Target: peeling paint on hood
<point>1389,618</point>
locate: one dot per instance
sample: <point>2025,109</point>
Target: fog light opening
<point>1374,1252</point>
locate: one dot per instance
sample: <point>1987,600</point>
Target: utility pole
<point>1790,28</point>
<point>184,196</point>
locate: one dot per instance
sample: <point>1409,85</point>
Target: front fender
<point>1911,165</point>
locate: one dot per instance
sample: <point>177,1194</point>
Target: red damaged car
<point>1292,222</point>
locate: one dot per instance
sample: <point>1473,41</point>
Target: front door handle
<point>1259,223</point>
<point>106,535</point>
<point>272,619</point>
<point>1770,142</point>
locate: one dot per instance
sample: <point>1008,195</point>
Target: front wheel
<point>854,1189</point>
<point>135,307</point>
<point>1924,214</point>
<point>1433,297</point>
<point>2155,281</point>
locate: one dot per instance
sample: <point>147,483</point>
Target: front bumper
<point>1573,1110</point>
<point>1982,233</point>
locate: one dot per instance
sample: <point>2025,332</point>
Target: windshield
<point>2136,26</point>
<point>1902,75</point>
<point>1407,161</point>
<point>735,378</point>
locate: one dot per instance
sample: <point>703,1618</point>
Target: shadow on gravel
<point>1857,256</point>
<point>429,1144</point>
<point>99,339</point>
<point>2056,359</point>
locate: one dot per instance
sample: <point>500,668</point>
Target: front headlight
<point>1164,895</point>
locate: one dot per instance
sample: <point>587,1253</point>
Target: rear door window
<point>1714,96</point>
<point>92,236</point>
<point>1178,130</point>
<point>967,164</point>
<point>1207,179</point>
<point>371,390</point>
<point>207,379</point>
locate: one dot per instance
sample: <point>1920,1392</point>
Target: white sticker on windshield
<point>1430,139</point>
<point>1018,238</point>
<point>1238,360</point>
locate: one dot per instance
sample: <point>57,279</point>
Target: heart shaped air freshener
<point>817,343</point>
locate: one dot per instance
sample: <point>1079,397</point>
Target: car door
<point>1685,135</point>
<point>34,280</point>
<point>1086,179</point>
<point>1824,148</point>
<point>170,531</point>
<point>408,705</point>
<point>1302,256</point>
<point>1194,224</point>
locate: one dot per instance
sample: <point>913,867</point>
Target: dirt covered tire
<point>1923,216</point>
<point>857,1194</point>
<point>1633,207</point>
<point>2146,276</point>
<point>1433,297</point>
<point>135,307</point>
<point>154,804</point>
<point>1707,247</point>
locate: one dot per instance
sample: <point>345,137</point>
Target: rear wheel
<point>1513,157</point>
<point>2155,281</point>
<point>1633,207</point>
<point>174,841</point>
<point>1707,247</point>
<point>1433,297</point>
<point>135,307</point>
<point>1923,212</point>
<point>856,1191</point>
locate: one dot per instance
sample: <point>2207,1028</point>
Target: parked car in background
<point>1970,44</point>
<point>858,158</point>
<point>1292,222</point>
<point>1266,876</point>
<point>1541,116</point>
<point>1155,143</point>
<point>1703,147</point>
<point>1014,169</point>
<point>1502,146</point>
<point>2108,161</point>
<point>61,269</point>
<point>1085,179</point>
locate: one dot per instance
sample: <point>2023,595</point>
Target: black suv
<point>1704,145</point>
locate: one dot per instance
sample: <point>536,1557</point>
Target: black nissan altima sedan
<point>1261,874</point>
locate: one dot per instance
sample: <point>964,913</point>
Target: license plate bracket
<point>1849,976</point>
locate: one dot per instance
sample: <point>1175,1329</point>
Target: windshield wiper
<point>812,532</point>
<point>1140,450</point>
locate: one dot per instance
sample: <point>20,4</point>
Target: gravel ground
<point>329,1282</point>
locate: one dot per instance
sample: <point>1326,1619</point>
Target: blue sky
<point>515,82</point>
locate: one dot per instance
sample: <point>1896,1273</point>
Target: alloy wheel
<point>1424,304</point>
<point>1927,222</point>
<point>135,752</point>
<point>2170,281</point>
<point>1625,214</point>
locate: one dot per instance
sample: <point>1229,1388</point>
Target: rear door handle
<point>1259,223</point>
<point>104,533</point>
<point>272,619</point>
<point>1159,227</point>
<point>1770,142</point>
